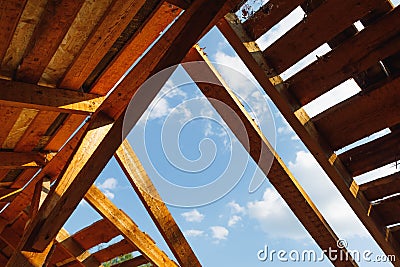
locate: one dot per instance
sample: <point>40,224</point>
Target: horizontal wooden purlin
<point>15,160</point>
<point>300,121</point>
<point>372,155</point>
<point>9,115</point>
<point>261,150</point>
<point>395,232</point>
<point>118,249</point>
<point>107,31</point>
<point>321,25</point>
<point>381,187</point>
<point>94,234</point>
<point>374,43</point>
<point>360,116</point>
<point>11,11</point>
<point>127,227</point>
<point>49,33</point>
<point>268,16</point>
<point>388,210</point>
<point>25,95</point>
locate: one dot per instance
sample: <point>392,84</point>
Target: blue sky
<point>185,142</point>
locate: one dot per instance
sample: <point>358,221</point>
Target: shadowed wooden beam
<point>338,65</point>
<point>360,115</point>
<point>127,227</point>
<point>251,55</point>
<point>25,95</point>
<point>387,209</point>
<point>54,24</point>
<point>320,26</point>
<point>11,11</point>
<point>101,137</point>
<point>118,249</point>
<point>156,208</point>
<point>261,151</point>
<point>14,160</point>
<point>372,155</point>
<point>269,15</point>
<point>382,187</point>
<point>137,261</point>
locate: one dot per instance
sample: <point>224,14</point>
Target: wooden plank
<point>268,16</point>
<point>182,4</point>
<point>24,177</point>
<point>127,227</point>
<point>119,14</point>
<point>136,261</point>
<point>49,33</point>
<point>360,116</point>
<point>138,44</point>
<point>261,151</point>
<point>321,25</point>
<point>64,132</point>
<point>9,116</point>
<point>388,210</point>
<point>81,29</point>
<point>25,95</point>
<point>11,11</point>
<point>37,129</point>
<point>300,121</point>
<point>372,155</point>
<point>156,208</point>
<point>381,187</point>
<point>29,19</point>
<point>94,234</point>
<point>339,65</point>
<point>13,160</point>
<point>25,118</point>
<point>118,249</point>
<point>101,141</point>
<point>3,174</point>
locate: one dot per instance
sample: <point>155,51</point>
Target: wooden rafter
<point>382,187</point>
<point>127,227</point>
<point>262,152</point>
<point>14,160</point>
<point>251,55</point>
<point>156,208</point>
<point>101,140</point>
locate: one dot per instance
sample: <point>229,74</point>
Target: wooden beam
<point>320,26</point>
<point>372,155</point>
<point>9,116</point>
<point>251,55</point>
<point>100,140</point>
<point>388,210</point>
<point>54,24</point>
<point>24,95</point>
<point>136,46</point>
<point>381,187</point>
<point>156,208</point>
<point>360,115</point>
<point>339,65</point>
<point>14,160</point>
<point>262,152</point>
<point>118,249</point>
<point>94,234</point>
<point>137,261</point>
<point>182,4</point>
<point>117,18</point>
<point>268,16</point>
<point>11,12</point>
<point>127,227</point>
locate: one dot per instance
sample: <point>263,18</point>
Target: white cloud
<point>325,196</point>
<point>193,216</point>
<point>236,208</point>
<point>274,216</point>
<point>109,183</point>
<point>109,194</point>
<point>219,233</point>
<point>233,220</point>
<point>193,233</point>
